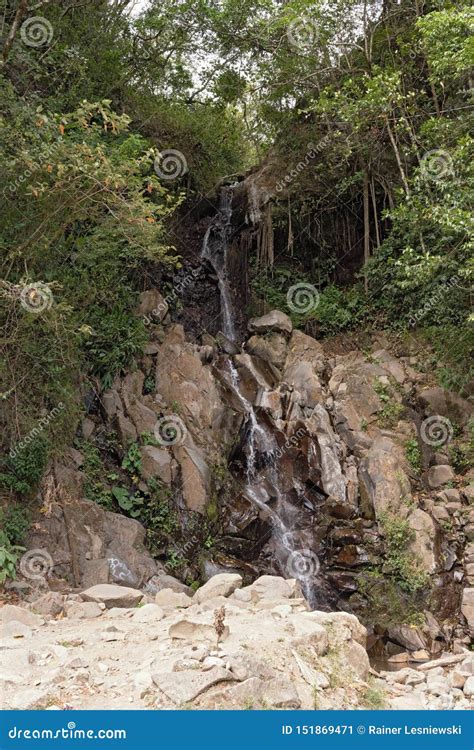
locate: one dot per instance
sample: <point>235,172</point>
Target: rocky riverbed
<point>226,646</point>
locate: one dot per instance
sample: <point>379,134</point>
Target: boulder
<point>447,404</point>
<point>272,348</point>
<point>272,321</point>
<point>165,581</point>
<point>112,595</point>
<point>148,613</point>
<point>15,629</point>
<point>156,462</point>
<point>467,606</point>
<point>439,475</point>
<point>423,545</point>
<point>82,610</point>
<point>223,584</point>
<point>411,638</point>
<point>195,630</point>
<point>469,687</point>
<point>384,486</point>
<point>49,605</point>
<point>170,598</point>
<point>10,612</point>
<point>152,306</point>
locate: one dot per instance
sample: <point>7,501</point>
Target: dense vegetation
<point>377,217</point>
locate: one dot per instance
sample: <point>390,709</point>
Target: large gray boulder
<point>112,595</point>
<point>272,321</point>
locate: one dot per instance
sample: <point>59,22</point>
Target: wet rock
<point>272,321</point>
<point>409,637</point>
<point>112,595</point>
<point>223,584</point>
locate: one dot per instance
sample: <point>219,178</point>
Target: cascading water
<point>292,560</point>
<point>262,477</point>
<point>215,249</point>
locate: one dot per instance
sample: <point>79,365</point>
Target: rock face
<point>279,458</point>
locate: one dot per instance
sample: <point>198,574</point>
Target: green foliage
<point>132,461</point>
<point>400,563</point>
<point>413,454</point>
<point>9,556</point>
<point>22,471</point>
<point>374,697</point>
<point>15,521</point>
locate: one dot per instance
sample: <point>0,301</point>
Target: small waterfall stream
<point>215,249</point>
<point>262,476</point>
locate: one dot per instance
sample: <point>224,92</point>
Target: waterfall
<point>292,560</point>
<point>215,248</point>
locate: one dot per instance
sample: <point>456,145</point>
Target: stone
<point>272,321</point>
<point>82,610</point>
<point>152,306</point>
<point>170,598</point>
<point>15,629</point>
<point>439,475</point>
<point>457,679</point>
<point>49,605</point>
<point>164,581</point>
<point>184,687</point>
<point>467,606</point>
<point>437,400</point>
<point>423,545</point>
<point>156,462</point>
<point>406,676</point>
<point>408,702</point>
<point>193,630</point>
<point>148,613</point>
<point>272,348</point>
<point>275,692</point>
<point>469,687</point>
<point>270,587</point>
<point>384,486</point>
<point>411,638</point>
<point>112,595</point>
<point>356,656</point>
<point>10,612</point>
<point>223,584</point>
